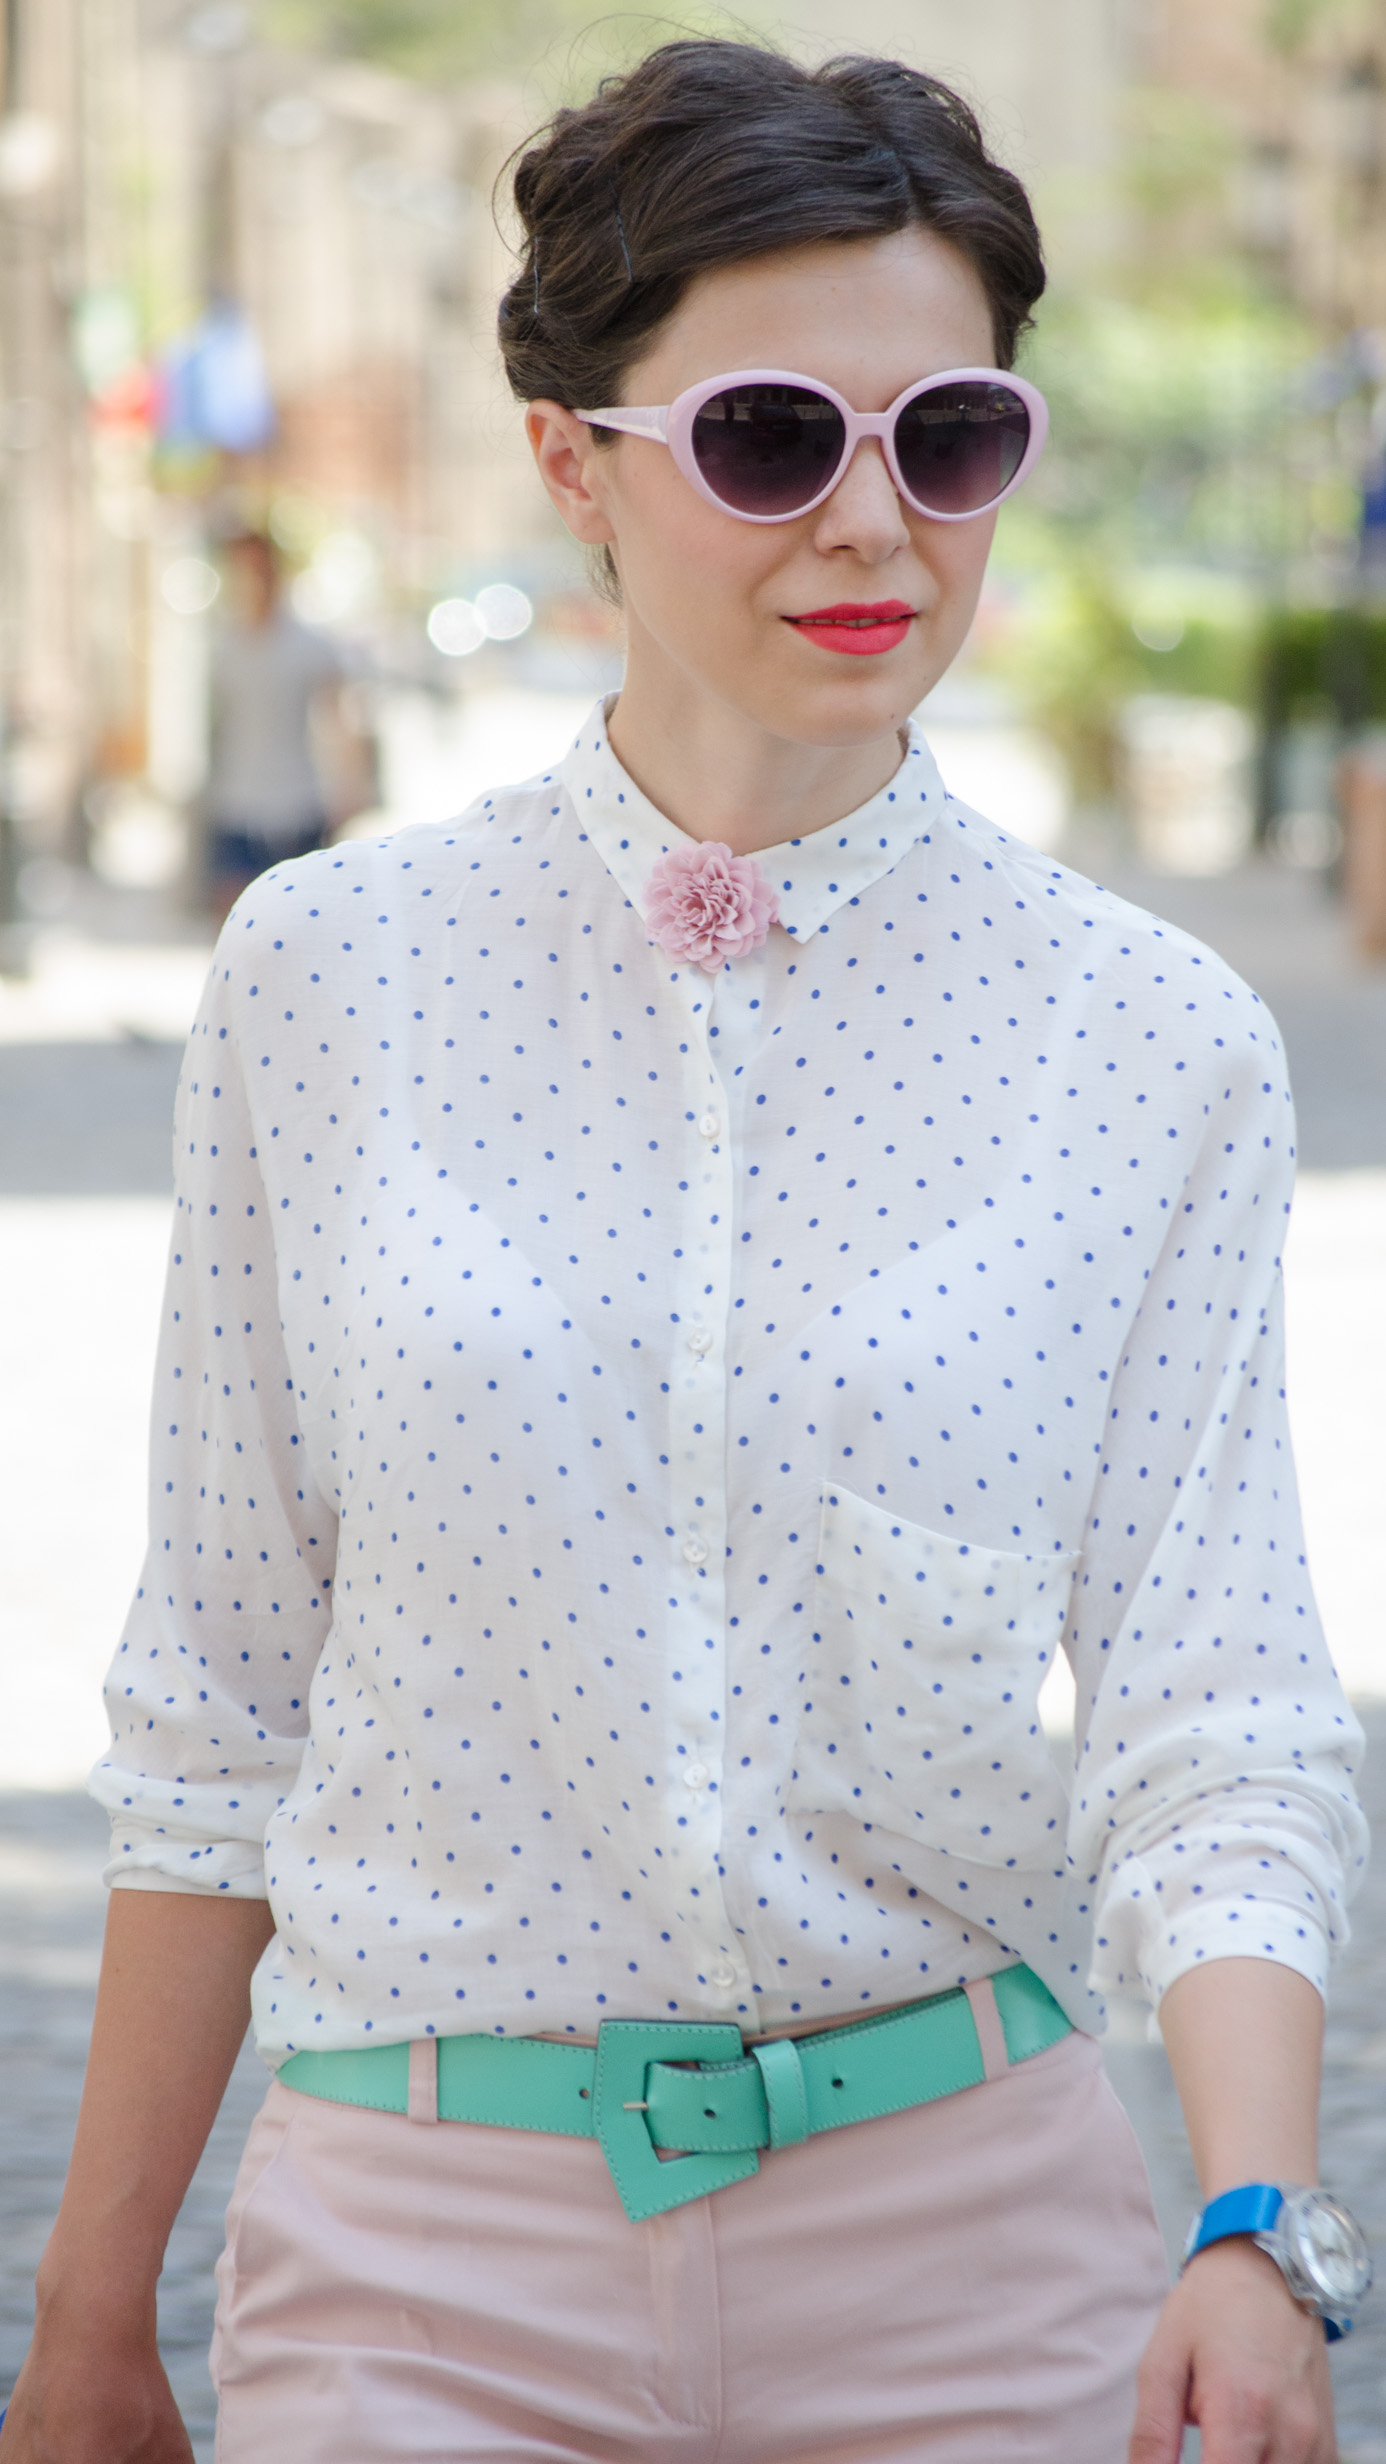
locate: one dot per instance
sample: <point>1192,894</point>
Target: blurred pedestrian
<point>694,1282</point>
<point>275,687</point>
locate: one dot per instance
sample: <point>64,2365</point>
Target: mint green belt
<point>691,2086</point>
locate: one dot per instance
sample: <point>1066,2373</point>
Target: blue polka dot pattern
<point>628,1443</point>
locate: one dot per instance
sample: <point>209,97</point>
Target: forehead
<point>867,315</point>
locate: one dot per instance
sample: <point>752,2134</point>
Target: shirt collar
<point>813,875</point>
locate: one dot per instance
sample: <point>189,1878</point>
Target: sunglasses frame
<point>671,424</point>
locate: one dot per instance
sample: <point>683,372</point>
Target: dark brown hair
<point>710,152</point>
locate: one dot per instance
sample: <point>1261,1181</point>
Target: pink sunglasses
<point>766,445</point>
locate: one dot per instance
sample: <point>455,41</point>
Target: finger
<point>1250,2425</point>
<point>1162,2390</point>
<point>1280,2421</point>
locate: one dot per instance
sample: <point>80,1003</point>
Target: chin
<point>847,706</point>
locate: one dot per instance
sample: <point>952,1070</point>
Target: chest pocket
<point>918,1701</point>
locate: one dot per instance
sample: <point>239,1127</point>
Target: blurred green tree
<point>453,39</point>
<point>425,38</point>
<point>1289,22</point>
<point>1189,473</point>
<point>1201,455</point>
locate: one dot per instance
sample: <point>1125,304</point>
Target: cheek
<point>956,554</point>
<point>677,553</point>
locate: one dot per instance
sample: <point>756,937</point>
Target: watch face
<point>1328,2246</point>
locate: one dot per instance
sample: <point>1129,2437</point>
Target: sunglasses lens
<point>960,446</point>
<point>767,449</point>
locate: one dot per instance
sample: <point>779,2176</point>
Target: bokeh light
<point>504,611</point>
<point>456,628</point>
<point>189,585</point>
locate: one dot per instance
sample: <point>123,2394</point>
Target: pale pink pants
<point>971,2282</point>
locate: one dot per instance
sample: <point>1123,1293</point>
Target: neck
<point>718,774</point>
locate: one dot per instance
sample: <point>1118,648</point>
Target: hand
<point>1235,2354</point>
<point>93,2402</point>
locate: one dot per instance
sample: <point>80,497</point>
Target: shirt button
<point>696,1775</point>
<point>701,1339</point>
<point>724,1979</point>
<point>695,1551</point>
<point>709,1126</point>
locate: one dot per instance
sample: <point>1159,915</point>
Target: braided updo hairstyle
<point>709,152</point>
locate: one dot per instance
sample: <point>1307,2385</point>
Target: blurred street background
<point>249,258</point>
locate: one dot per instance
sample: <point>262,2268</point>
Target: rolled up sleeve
<point>208,1692</point>
<point>1214,1813</point>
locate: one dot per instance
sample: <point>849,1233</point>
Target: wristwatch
<point>1319,2248</point>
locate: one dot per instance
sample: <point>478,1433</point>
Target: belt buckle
<point>626,2048</point>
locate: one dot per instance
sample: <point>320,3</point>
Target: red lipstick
<point>861,631</point>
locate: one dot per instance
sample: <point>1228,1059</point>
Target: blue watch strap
<point>1252,2208</point>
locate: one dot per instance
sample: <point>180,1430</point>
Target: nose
<point>864,512</point>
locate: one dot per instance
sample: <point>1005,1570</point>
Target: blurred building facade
<point>1303,86</point>
<point>363,246</point>
<point>157,162</point>
<point>44,540</point>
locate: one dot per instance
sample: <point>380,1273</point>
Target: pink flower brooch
<point>706,905</point>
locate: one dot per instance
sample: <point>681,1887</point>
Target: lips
<point>859,630</point>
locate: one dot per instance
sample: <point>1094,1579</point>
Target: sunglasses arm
<point>653,424</point>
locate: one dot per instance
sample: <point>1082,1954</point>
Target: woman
<point>689,1284</point>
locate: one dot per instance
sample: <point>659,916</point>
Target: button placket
<point>739,1018</point>
<point>698,1495</point>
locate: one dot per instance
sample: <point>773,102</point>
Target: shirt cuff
<point>1142,1951</point>
<point>144,1858</point>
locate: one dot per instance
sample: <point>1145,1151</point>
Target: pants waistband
<point>655,2086</point>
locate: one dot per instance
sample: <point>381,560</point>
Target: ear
<point>571,466</point>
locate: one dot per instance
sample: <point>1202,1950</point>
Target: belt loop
<point>786,2097</point>
<point>423,2079</point>
<point>991,2036</point>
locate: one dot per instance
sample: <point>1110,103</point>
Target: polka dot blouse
<point>629,1441</point>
